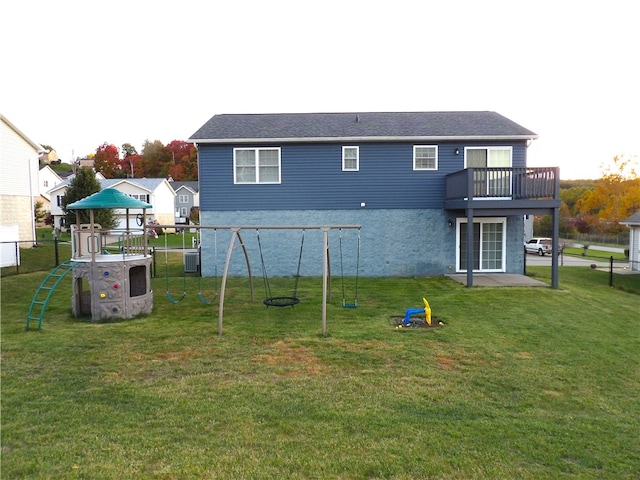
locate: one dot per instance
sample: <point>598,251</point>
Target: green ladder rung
<point>67,266</point>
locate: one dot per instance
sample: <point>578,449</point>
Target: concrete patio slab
<point>498,280</point>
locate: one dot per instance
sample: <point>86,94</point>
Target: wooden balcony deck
<point>504,191</point>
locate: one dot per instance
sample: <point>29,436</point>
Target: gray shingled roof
<point>373,126</point>
<point>632,220</point>
<point>149,184</point>
<point>193,185</point>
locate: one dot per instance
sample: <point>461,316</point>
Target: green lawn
<point>526,383</point>
<point>595,254</point>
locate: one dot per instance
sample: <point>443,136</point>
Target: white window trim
<point>357,169</point>
<point>509,148</point>
<point>414,157</point>
<point>182,198</point>
<point>462,223</point>
<point>501,148</point>
<point>257,150</point>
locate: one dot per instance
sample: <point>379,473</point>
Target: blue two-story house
<point>434,192</point>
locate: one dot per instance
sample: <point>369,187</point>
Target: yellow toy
<point>415,311</point>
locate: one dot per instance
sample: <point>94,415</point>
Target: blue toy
<point>418,311</point>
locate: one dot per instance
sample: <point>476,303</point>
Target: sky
<point>77,74</point>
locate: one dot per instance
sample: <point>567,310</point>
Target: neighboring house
<point>633,223</point>
<point>187,197</point>
<point>47,179</point>
<point>85,162</point>
<point>433,191</point>
<point>49,157</point>
<point>18,184</point>
<point>155,191</point>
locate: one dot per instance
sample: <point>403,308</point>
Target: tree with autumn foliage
<point>178,160</point>
<point>107,161</point>
<point>130,163</point>
<point>184,159</point>
<point>616,196</point>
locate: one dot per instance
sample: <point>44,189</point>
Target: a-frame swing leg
<point>235,234</point>
<point>325,279</point>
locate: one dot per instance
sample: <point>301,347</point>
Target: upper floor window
<point>183,198</point>
<point>425,157</point>
<point>350,159</point>
<point>46,183</point>
<point>143,197</point>
<point>256,165</point>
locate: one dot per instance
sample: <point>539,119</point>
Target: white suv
<point>539,246</point>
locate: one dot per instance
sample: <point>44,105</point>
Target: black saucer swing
<point>270,300</point>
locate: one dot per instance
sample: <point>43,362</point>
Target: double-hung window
<point>350,159</point>
<point>425,157</point>
<point>143,197</point>
<point>183,198</point>
<point>256,165</point>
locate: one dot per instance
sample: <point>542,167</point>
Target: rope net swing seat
<point>170,297</point>
<point>201,295</point>
<point>353,304</point>
<point>284,301</point>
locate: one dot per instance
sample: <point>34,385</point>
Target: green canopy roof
<point>107,198</point>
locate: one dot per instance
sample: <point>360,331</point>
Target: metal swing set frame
<point>237,241</point>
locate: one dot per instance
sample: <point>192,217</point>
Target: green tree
<point>129,164</point>
<point>543,226</point>
<point>570,196</point>
<point>84,184</point>
<point>156,160</point>
<point>128,150</point>
<point>194,215</point>
<point>39,213</point>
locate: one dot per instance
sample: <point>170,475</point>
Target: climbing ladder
<point>44,292</point>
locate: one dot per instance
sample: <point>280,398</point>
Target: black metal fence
<point>29,256</point>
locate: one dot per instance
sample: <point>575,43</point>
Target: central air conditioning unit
<point>191,261</point>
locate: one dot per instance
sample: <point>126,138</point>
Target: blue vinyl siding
<point>312,178</point>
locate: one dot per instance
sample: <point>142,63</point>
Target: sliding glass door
<point>489,245</point>
<point>493,183</point>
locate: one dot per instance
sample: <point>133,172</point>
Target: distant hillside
<point>61,168</point>
<point>586,184</point>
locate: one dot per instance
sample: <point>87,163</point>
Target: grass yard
<point>595,254</point>
<point>526,383</point>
